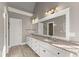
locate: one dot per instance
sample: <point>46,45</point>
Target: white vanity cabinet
<point>44,49</point>
<point>55,51</point>
<point>29,41</point>
<point>33,43</point>
<point>45,52</point>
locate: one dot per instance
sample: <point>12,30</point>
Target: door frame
<point>5,46</point>
<point>9,31</point>
<point>48,27</point>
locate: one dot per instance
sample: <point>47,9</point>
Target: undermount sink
<point>47,40</point>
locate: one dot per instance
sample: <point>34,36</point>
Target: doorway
<point>15,32</point>
<point>50,28</point>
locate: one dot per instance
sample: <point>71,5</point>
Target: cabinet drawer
<point>36,48</point>
<point>44,49</point>
<point>55,50</point>
<point>35,45</point>
<point>63,53</point>
<point>45,53</point>
<point>44,44</point>
<point>28,41</point>
<point>27,38</point>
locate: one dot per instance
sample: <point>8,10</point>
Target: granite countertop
<point>62,44</point>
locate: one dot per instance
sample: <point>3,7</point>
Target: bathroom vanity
<point>51,47</point>
<point>53,38</point>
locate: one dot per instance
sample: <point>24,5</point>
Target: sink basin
<point>47,40</point>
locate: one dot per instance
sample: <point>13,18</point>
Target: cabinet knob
<point>44,50</point>
<point>58,53</point>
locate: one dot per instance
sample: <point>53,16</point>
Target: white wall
<point>74,19</point>
<point>26,23</point>
<point>1,27</point>
<point>27,27</point>
<point>74,14</point>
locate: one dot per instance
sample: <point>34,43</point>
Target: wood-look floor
<point>21,51</point>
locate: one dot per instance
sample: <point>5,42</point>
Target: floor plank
<point>21,51</point>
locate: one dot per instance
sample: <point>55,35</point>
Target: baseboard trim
<point>18,44</point>
<point>4,51</point>
<point>23,43</point>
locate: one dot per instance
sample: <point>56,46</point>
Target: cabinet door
<point>55,50</point>
<point>28,41</point>
<point>46,50</point>
<point>45,53</point>
<point>63,53</point>
<point>35,45</point>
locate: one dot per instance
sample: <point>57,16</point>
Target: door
<point>51,29</point>
<point>15,31</point>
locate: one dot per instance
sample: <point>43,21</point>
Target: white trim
<point>5,46</point>
<point>7,31</point>
<point>23,43</point>
<point>11,9</point>
<point>18,44</point>
<point>47,29</point>
<point>67,24</point>
<point>40,28</point>
<point>57,14</point>
<point>3,52</point>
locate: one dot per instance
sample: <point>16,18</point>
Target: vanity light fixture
<point>58,8</point>
<point>49,12</point>
<point>34,20</point>
<point>52,10</point>
<point>46,13</point>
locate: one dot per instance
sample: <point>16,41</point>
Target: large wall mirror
<point>50,29</point>
<point>56,25</point>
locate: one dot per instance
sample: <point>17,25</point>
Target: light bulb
<point>33,21</point>
<point>46,13</point>
<point>52,10</point>
<point>36,20</point>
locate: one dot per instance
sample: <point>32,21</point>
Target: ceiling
<point>24,6</point>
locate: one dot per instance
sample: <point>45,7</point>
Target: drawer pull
<point>44,50</point>
<point>58,53</point>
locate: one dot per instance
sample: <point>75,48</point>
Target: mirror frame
<point>57,14</point>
